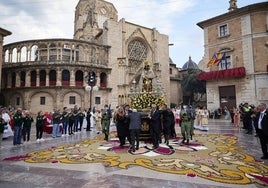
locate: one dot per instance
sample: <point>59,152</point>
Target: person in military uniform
<point>105,121</point>
<point>186,123</point>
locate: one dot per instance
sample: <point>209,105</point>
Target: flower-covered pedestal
<point>149,92</point>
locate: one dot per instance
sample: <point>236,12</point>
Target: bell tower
<point>89,18</point>
<point>233,5</point>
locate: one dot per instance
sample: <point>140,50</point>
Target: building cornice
<point>4,32</point>
<point>258,7</point>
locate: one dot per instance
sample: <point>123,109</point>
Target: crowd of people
<point>253,119</point>
<point>18,123</point>
<point>162,121</point>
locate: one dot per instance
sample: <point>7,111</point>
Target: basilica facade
<point>50,74</point>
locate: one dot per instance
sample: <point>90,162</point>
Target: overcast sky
<point>42,19</point>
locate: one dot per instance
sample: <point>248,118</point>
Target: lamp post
<point>91,86</point>
<point>134,83</point>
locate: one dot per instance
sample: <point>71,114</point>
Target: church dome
<point>190,64</point>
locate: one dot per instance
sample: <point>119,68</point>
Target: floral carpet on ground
<point>210,156</point>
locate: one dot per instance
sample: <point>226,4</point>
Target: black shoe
<point>106,137</point>
<point>264,157</point>
<point>132,149</point>
<point>187,142</point>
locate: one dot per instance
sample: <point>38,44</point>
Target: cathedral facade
<point>50,74</point>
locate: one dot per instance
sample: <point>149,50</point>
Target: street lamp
<point>91,86</point>
<point>134,83</point>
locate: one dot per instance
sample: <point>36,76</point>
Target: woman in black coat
<point>121,125</point>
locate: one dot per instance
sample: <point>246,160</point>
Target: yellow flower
<point>145,100</point>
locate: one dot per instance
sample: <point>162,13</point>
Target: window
<point>170,71</point>
<point>225,63</point>
<point>223,30</point>
<point>17,101</point>
<point>42,100</point>
<point>72,100</point>
<point>97,100</point>
<point>137,53</point>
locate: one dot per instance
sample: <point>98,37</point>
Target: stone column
<point>9,80</point>
<point>58,80</point>
<point>37,77</point>
<point>17,84</point>
<point>72,77</point>
<point>47,77</point>
<point>28,78</point>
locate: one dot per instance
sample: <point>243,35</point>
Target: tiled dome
<point>189,64</point>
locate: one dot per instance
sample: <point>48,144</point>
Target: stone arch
<point>23,54</point>
<point>33,75</point>
<point>103,79</point>
<point>22,78</point>
<point>42,77</point>
<point>79,78</point>
<point>120,99</point>
<point>35,99</point>
<point>79,98</point>
<point>33,53</point>
<point>14,55</point>
<point>13,79</point>
<point>4,79</point>
<point>52,78</point>
<point>65,77</point>
<point>6,58</point>
<point>16,100</point>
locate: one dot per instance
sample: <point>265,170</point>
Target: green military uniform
<point>186,124</point>
<point>105,122</point>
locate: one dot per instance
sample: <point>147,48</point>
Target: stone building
<point>175,83</point>
<point>238,42</point>
<point>52,73</point>
<point>3,33</point>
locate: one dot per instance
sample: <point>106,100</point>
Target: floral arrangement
<point>143,101</point>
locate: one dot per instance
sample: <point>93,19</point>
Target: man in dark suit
<point>155,125</point>
<point>262,128</point>
<point>135,129</point>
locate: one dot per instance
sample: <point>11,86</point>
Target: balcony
<point>223,74</point>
